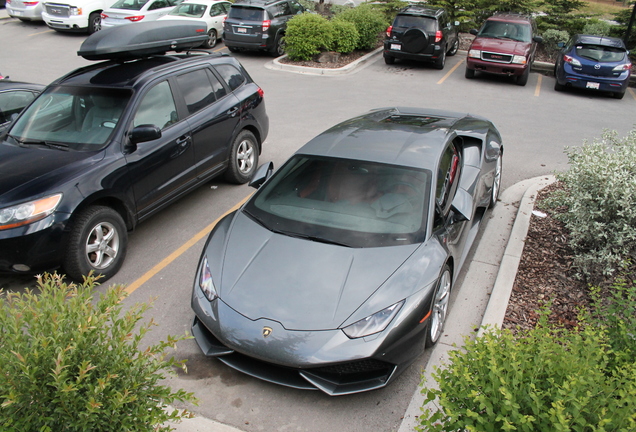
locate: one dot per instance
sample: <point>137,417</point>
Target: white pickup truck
<point>75,15</point>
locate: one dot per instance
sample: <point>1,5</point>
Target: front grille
<point>496,57</point>
<point>355,371</point>
<point>58,10</point>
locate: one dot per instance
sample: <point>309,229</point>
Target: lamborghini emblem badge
<point>267,331</point>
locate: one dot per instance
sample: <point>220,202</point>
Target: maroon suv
<point>505,45</point>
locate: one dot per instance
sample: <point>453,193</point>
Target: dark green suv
<point>421,33</point>
<point>259,25</point>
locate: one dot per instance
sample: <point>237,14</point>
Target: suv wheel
<point>94,22</point>
<point>415,40</point>
<point>97,243</point>
<point>243,158</point>
<point>279,46</point>
<point>441,60</point>
<point>470,73</point>
<point>389,59</point>
<point>454,48</point>
<point>523,78</point>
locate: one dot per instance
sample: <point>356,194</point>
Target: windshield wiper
<point>49,144</point>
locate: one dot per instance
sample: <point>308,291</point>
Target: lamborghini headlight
<point>205,281</point>
<point>373,323</point>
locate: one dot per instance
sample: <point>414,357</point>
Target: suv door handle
<point>232,111</point>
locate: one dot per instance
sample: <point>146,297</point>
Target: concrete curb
<point>350,68</point>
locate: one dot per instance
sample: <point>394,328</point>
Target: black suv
<point>110,144</point>
<point>259,25</point>
<point>421,33</point>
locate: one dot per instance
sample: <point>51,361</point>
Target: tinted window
<point>295,7</point>
<point>216,10</point>
<point>157,107</point>
<point>129,4</point>
<point>506,30</point>
<point>600,53</point>
<point>12,102</point>
<point>406,21</point>
<point>231,75</point>
<point>246,13</point>
<point>356,203</point>
<point>159,4</point>
<point>196,89</point>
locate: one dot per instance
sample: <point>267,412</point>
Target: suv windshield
<point>505,30</point>
<point>81,117</point>
<point>355,203</point>
<point>406,21</point>
<point>246,13</point>
<point>600,53</point>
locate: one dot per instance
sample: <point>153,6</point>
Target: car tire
<point>439,307</point>
<point>496,183</point>
<point>389,59</point>
<point>233,49</point>
<point>441,61</point>
<point>243,158</point>
<point>454,48</point>
<point>414,40</point>
<point>212,38</point>
<point>470,73</point>
<point>557,86</point>
<point>94,22</point>
<point>522,79</point>
<point>97,242</point>
<point>279,46</point>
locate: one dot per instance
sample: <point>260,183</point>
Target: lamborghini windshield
<point>81,118</point>
<point>354,203</point>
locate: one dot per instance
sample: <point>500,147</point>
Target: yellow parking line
<point>450,72</point>
<point>632,92</point>
<point>42,32</point>
<point>177,253</point>
<point>537,90</point>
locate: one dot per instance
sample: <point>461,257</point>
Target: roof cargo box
<point>128,42</point>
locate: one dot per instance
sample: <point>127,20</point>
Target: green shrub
<point>345,36</point>
<point>597,27</point>
<point>68,363</point>
<point>369,22</point>
<point>307,34</point>
<point>547,379</point>
<point>600,196</point>
<point>551,40</point>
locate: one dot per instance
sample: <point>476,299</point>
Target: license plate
<point>17,13</point>
<point>396,47</point>
<point>241,30</point>
<point>593,85</point>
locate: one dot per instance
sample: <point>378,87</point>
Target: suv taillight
<point>388,31</point>
<point>438,36</point>
<point>266,25</point>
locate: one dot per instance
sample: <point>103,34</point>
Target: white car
<point>25,10</point>
<point>132,11</point>
<point>213,12</point>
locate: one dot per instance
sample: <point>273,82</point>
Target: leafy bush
<point>597,27</point>
<point>345,36</point>
<point>68,363</point>
<point>546,380</point>
<point>551,40</point>
<point>390,8</point>
<point>369,22</point>
<point>600,196</point>
<point>307,34</point>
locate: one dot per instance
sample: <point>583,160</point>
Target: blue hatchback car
<point>594,62</point>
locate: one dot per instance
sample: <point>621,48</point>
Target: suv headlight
<point>28,212</point>
<point>519,59</point>
<point>74,10</point>
<point>373,323</point>
<point>473,53</point>
<point>205,281</point>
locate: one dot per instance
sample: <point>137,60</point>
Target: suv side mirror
<point>473,32</point>
<point>537,39</point>
<point>143,133</point>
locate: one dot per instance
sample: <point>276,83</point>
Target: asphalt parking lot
<point>536,124</point>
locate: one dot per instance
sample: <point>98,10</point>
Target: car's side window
<point>216,10</point>
<point>13,102</point>
<point>157,107</point>
<point>296,8</point>
<point>196,89</point>
<point>159,4</point>
<point>231,75</point>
